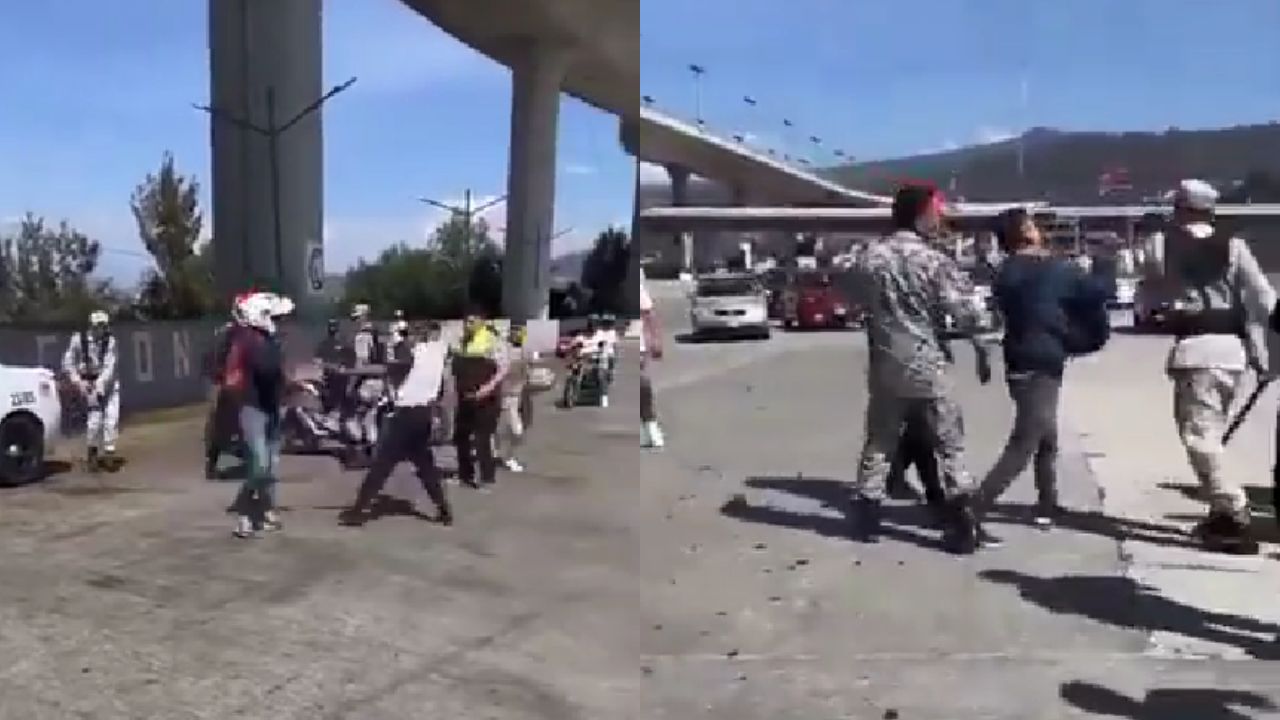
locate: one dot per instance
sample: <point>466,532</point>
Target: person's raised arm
<point>1258,296</point>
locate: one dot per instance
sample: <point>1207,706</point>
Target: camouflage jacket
<point>909,288</point>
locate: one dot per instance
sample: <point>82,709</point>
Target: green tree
<point>46,274</point>
<point>459,265</point>
<point>604,272</point>
<point>166,207</point>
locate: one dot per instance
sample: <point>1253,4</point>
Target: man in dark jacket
<point>1033,290</point>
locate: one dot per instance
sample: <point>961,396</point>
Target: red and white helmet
<point>260,310</point>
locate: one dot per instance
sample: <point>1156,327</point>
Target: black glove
<point>984,365</point>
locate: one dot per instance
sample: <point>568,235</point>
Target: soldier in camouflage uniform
<point>910,286</point>
<point>1221,301</point>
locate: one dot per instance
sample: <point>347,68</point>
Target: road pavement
<point>125,597</point>
<point>708,580</point>
<point>768,612</point>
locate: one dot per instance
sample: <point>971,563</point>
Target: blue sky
<point>94,92</point>
<point>866,78</point>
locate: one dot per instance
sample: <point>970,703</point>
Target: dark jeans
<point>474,423</point>
<point>408,438</point>
<point>916,449</point>
<point>1034,437</point>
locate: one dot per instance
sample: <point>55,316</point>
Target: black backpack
<point>1088,325</point>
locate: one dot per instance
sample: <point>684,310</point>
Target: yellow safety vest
<point>482,343</point>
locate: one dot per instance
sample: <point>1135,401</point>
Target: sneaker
<point>514,465</point>
<point>604,401</point>
<point>244,528</point>
<point>986,540</point>
<point>653,435</point>
<point>271,521</point>
<point>352,517</point>
<point>1047,516</point>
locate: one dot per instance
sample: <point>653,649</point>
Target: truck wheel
<point>21,450</point>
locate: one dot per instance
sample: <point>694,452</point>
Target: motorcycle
<point>588,379</point>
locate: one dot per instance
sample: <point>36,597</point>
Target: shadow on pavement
<point>385,506</point>
<point>1123,603</point>
<point>1165,703</point>
<point>1096,523</point>
<point>902,523</point>
<point>690,338</point>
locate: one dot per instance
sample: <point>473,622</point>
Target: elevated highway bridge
<point>586,48</point>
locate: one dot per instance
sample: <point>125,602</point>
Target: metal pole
<point>273,150</point>
<point>467,213</point>
<point>698,72</point>
<point>272,133</point>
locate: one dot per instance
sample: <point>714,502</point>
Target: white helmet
<point>98,318</point>
<point>360,312</point>
<point>260,310</point>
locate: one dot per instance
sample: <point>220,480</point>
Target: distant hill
<point>1066,167</point>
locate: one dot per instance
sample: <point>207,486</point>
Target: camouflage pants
<point>1202,400</point>
<point>943,429</point>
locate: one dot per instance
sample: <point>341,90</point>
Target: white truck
<point>30,422</point>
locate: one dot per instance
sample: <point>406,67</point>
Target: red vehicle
<point>814,301</point>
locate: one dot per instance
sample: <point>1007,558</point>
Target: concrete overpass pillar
<point>679,198</point>
<point>632,294</point>
<point>258,48</point>
<point>537,76</point>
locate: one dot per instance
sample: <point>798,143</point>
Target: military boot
<point>867,519</point>
<point>962,533</point>
<point>93,462</point>
<point>1227,532</point>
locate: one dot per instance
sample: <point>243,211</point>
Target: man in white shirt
<point>650,349</point>
<point>420,367</point>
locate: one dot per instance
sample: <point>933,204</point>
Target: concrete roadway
<point>125,597</point>
<point>769,612</point>
<point>709,580</point>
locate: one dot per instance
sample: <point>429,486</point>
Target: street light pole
<point>698,71</point>
<point>466,211</point>
<point>272,133</point>
<point>468,214</point>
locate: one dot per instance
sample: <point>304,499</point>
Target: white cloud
<point>946,146</point>
<point>988,135</point>
<point>579,169</point>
